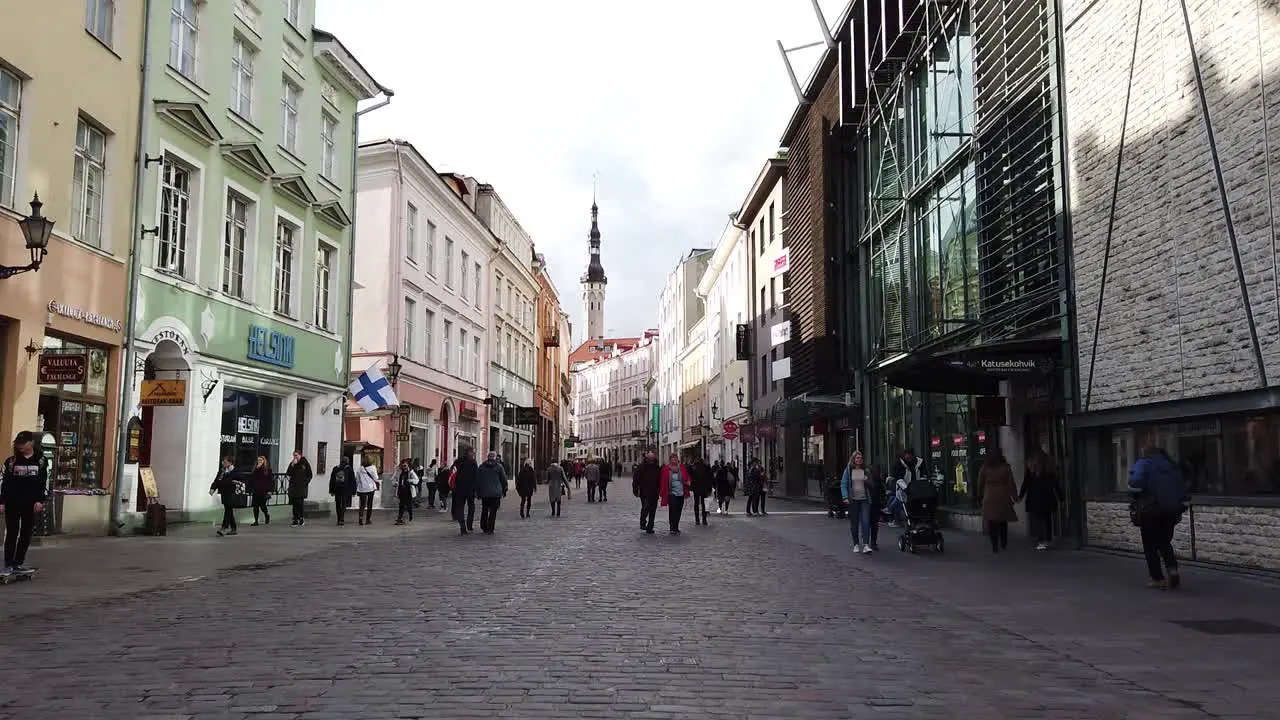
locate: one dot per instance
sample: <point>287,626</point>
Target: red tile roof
<point>593,349</point>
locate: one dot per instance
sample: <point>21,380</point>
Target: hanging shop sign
<point>527,415</point>
<point>163,393</point>
<point>174,337</point>
<point>55,369</point>
<point>1006,366</point>
<point>782,263</point>
<point>780,333</point>
<point>270,346</point>
<point>742,342</point>
<point>655,417</point>
<point>85,316</point>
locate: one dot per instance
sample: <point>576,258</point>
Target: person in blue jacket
<point>855,491</point>
<point>1159,499</point>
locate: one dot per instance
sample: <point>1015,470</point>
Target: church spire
<point>595,270</point>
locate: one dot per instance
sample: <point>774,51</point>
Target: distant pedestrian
<point>300,475</point>
<point>429,480</point>
<point>557,485</point>
<point>726,481</point>
<point>646,484</point>
<point>674,487</point>
<point>877,484</point>
<point>227,488</point>
<point>606,476</point>
<point>526,485</point>
<point>998,492</point>
<point>702,486</point>
<point>753,488</point>
<point>262,485</point>
<point>366,485</point>
<point>405,480</point>
<point>1041,491</point>
<point>1160,499</point>
<point>579,469</point>
<point>420,472</point>
<point>491,487</point>
<point>464,489</point>
<point>592,473</point>
<point>24,491</point>
<point>443,474</point>
<point>855,492</point>
<point>342,486</point>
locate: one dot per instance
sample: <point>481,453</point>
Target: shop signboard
<point>163,393</point>
<point>58,369</point>
<point>1006,366</point>
<point>742,342</point>
<point>527,415</point>
<point>655,417</point>
<point>780,333</point>
<point>270,346</point>
<point>85,316</point>
<point>729,429</point>
<point>782,262</point>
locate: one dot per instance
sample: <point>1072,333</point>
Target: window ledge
<point>1252,501</point>
<point>244,123</point>
<point>176,75</point>
<point>329,185</point>
<point>100,252</point>
<point>289,155</point>
<point>105,45</point>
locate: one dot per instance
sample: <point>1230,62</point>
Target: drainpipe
<point>134,265</point>
<point>351,263</point>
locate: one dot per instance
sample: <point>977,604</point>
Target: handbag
<point>1141,508</point>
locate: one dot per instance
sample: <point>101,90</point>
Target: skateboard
<point>5,579</point>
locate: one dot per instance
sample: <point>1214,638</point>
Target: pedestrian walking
<point>442,485</point>
<point>579,469</point>
<point>24,491</point>
<point>464,489</point>
<point>592,472</point>
<point>726,487</point>
<point>703,486</point>
<point>855,492</point>
<point>405,480</point>
<point>366,485</point>
<point>1160,499</point>
<point>262,485</point>
<point>998,493</point>
<point>557,485</point>
<point>419,471</point>
<point>228,490</point>
<point>299,472</point>
<point>526,485</point>
<point>1042,494</point>
<point>429,479</point>
<point>753,487</point>
<point>877,485</point>
<point>606,476</point>
<point>342,486</point>
<point>674,486</point>
<point>646,484</point>
<point>491,487</point>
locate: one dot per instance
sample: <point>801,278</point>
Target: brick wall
<point>1230,535</point>
<point>1173,321</point>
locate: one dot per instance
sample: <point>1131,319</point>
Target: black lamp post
<point>393,369</point>
<point>702,435</point>
<point>741,397</point>
<point>715,411</point>
<point>36,230</point>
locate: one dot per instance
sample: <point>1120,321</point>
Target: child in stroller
<point>921,510</point>
<point>835,503</point>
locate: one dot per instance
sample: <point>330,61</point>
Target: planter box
<point>83,514</point>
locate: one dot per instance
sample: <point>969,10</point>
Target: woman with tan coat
<point>998,492</point>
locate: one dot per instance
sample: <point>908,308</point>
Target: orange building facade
<point>548,443</point>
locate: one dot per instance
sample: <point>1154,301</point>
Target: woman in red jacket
<point>262,484</point>
<point>673,488</point>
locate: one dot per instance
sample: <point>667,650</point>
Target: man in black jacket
<point>300,475</point>
<point>606,476</point>
<point>646,485</point>
<point>342,486</point>
<point>464,489</point>
<point>24,489</point>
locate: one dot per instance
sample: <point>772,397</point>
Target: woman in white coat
<point>366,485</point>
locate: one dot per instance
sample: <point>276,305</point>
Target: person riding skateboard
<point>24,490</point>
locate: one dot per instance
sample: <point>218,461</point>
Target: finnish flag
<point>373,391</point>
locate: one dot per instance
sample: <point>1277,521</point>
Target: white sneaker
<point>1042,546</point>
<point>857,548</point>
<point>866,550</point>
<point>719,511</point>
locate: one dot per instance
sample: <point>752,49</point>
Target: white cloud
<point>676,103</point>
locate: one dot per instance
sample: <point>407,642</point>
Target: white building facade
<point>676,303</point>
<point>725,288</point>
<point>567,418</point>
<point>422,276</point>
<point>610,401</point>
<point>513,335</point>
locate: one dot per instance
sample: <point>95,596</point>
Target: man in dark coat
<point>300,475</point>
<point>702,487</point>
<point>464,489</point>
<point>491,486</point>
<point>606,475</point>
<point>645,484</point>
<point>342,486</point>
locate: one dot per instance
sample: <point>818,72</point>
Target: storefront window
<point>1236,456</point>
<point>74,416</point>
<point>250,428</point>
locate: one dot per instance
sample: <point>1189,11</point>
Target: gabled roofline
<point>773,170</point>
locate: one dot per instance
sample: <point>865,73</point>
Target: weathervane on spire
<point>595,187</point>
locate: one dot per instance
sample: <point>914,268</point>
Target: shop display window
<point>75,416</point>
<point>250,428</point>
<point>1231,456</point>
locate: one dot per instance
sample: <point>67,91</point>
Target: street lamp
<point>393,369</point>
<point>715,411</point>
<point>741,397</point>
<point>36,229</point>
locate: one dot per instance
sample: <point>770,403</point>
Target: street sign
<point>730,429</point>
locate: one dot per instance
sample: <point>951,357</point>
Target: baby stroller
<point>921,509</point>
<point>835,501</point>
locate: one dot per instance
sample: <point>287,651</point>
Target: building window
<point>282,284</point>
<point>772,223</point>
<point>329,147</point>
<point>175,217</point>
<point>324,286</point>
<point>10,107</point>
<point>478,277</point>
<point>429,248</point>
<point>242,78</point>
<point>497,297</point>
<point>290,99</point>
<point>411,232</point>
<point>448,358</point>
<point>410,309</point>
<point>429,324</point>
<point>86,190</point>
<point>184,32</point>
<point>99,18</point>
<point>235,237</point>
<point>293,13</point>
<point>77,416</point>
<point>466,264</point>
<point>477,373</point>
<point>463,367</point>
<point>448,262</point>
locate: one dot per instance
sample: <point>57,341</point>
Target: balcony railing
<point>551,338</point>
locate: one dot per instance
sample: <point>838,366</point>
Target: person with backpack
<point>300,475</point>
<point>406,480</point>
<point>228,489</point>
<point>24,491</point>
<point>443,486</point>
<point>342,486</point>
<point>1160,498</point>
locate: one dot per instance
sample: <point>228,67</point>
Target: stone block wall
<point>1244,536</point>
<point>1173,318</point>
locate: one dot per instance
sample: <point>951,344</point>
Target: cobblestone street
<point>585,617</point>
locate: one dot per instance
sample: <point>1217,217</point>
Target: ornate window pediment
<point>191,119</point>
<point>248,157</point>
<point>295,187</point>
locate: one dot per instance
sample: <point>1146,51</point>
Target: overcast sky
<point>675,103</point>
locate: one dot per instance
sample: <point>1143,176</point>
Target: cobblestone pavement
<point>585,617</point>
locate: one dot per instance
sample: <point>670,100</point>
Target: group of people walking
<point>675,484</point>
<point>255,488</point>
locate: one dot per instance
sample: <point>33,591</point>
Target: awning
<point>975,370</point>
<point>688,445</point>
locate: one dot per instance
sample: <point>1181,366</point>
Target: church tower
<point>594,281</point>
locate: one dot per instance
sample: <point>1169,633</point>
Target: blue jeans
<point>860,521</point>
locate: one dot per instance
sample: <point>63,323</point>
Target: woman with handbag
<point>998,492</point>
<point>263,484</point>
<point>227,488</point>
<point>1041,491</point>
<point>366,485</point>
